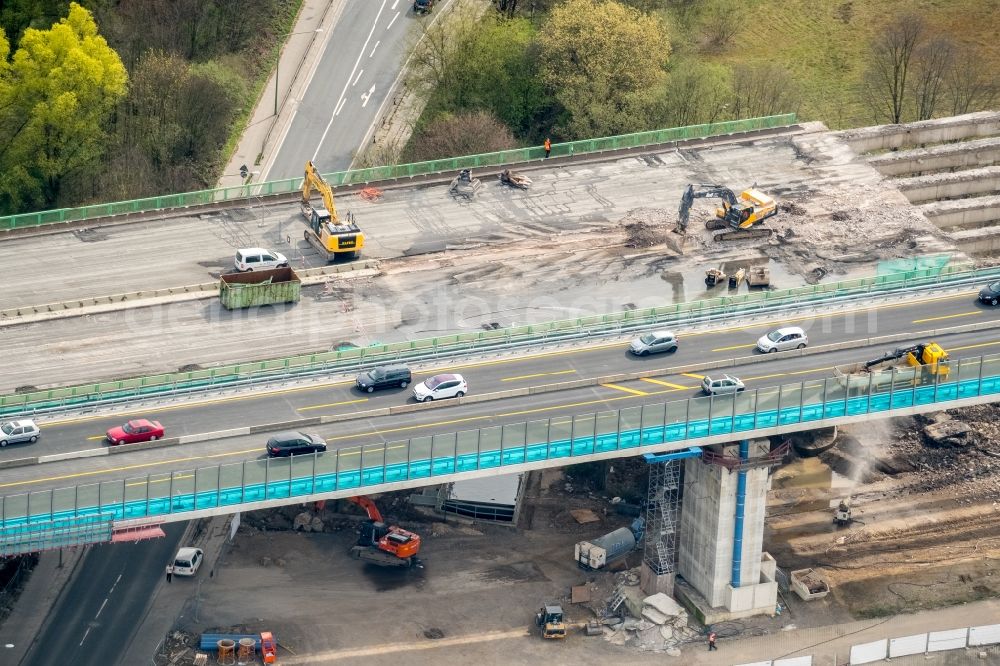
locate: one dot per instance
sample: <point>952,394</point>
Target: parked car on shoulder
<point>721,385</point>
<point>990,294</point>
<point>439,387</point>
<point>18,432</point>
<point>654,342</point>
<point>783,339</point>
<point>294,443</point>
<point>134,431</point>
<point>188,561</point>
<point>423,6</point>
<point>388,376</point>
<point>258,259</point>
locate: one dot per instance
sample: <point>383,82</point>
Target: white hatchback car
<point>439,387</point>
<point>783,339</point>
<point>258,259</point>
<point>188,561</point>
<point>721,385</point>
<point>16,432</point>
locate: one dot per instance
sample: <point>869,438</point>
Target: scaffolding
<point>663,510</point>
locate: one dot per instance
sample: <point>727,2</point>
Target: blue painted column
<point>741,500</point>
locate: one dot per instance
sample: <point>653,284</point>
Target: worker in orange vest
<point>548,147</point>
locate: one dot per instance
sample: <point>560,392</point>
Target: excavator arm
<point>314,179</point>
<point>704,191</point>
<point>369,506</point>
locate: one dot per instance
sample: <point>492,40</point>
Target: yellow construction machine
<point>738,215</point>
<point>930,357</point>
<point>550,622</point>
<point>331,236</point>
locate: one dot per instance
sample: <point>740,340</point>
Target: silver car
<point>721,384</point>
<point>783,339</point>
<point>16,432</point>
<point>654,343</point>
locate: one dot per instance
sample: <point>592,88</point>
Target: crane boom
<point>312,179</point>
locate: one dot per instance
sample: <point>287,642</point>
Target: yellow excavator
<point>331,236</point>
<point>738,215</point>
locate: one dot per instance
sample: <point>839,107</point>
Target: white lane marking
<point>393,20</point>
<point>373,49</point>
<point>339,107</point>
<point>358,77</point>
<point>347,83</point>
<point>115,584</point>
<point>366,96</point>
<point>393,8</point>
<point>84,636</point>
<point>101,609</point>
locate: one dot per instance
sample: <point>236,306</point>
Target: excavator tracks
<point>743,234</point>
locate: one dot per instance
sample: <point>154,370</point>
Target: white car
<point>654,343</point>
<point>188,561</point>
<point>15,432</point>
<point>258,259</point>
<point>721,385</point>
<point>783,339</point>
<point>439,387</point>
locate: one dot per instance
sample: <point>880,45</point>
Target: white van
<point>258,259</point>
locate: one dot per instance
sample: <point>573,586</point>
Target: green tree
<point>60,89</point>
<point>604,62</point>
<point>495,69</point>
<point>696,92</point>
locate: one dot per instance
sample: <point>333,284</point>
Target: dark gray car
<point>389,376</point>
<point>294,443</point>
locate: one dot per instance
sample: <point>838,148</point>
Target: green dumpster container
<point>244,290</point>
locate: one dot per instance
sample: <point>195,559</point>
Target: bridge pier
<point>719,539</point>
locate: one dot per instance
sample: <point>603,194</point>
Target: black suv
<point>422,6</point>
<point>387,376</point>
<point>294,444</point>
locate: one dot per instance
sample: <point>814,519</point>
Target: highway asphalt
<point>104,602</point>
<point>488,376</point>
<point>362,58</point>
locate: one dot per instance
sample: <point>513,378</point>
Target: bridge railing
<point>372,467</point>
<point>351,360</point>
<point>363,176</point>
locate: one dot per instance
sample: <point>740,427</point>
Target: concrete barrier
<point>72,455</point>
<point>974,212</point>
<point>142,446</point>
<point>980,181</point>
<point>941,130</point>
<point>18,462</point>
<point>218,434</point>
<point>962,155</point>
<point>285,425</point>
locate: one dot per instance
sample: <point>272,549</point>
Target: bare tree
<point>721,21</point>
<point>968,84</point>
<point>931,63</point>
<point>889,66</point>
<point>506,7</point>
<point>466,133</point>
<point>762,90</point>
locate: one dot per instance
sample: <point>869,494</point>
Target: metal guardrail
<point>696,312</point>
<point>362,176</point>
<point>377,467</point>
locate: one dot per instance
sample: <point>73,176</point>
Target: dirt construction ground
<point>926,536</point>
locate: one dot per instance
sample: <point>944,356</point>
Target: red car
<point>137,430</point>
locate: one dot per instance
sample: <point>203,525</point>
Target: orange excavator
<point>384,545</point>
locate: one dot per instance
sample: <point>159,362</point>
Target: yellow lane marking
<point>662,383</point>
<point>806,372</point>
<point>95,437</point>
<point>780,374</point>
<point>625,388</point>
<point>952,316</point>
<point>517,359</point>
<point>539,374</point>
<point>331,404</point>
<point>983,344</point>
<point>722,349</point>
<point>692,375</point>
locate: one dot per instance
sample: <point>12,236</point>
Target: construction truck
<point>550,623</point>
<point>331,236</point>
<point>738,215</point>
<point>384,545</point>
<point>914,364</point>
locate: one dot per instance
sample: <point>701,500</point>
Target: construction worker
<point>548,147</point>
<point>711,641</point>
